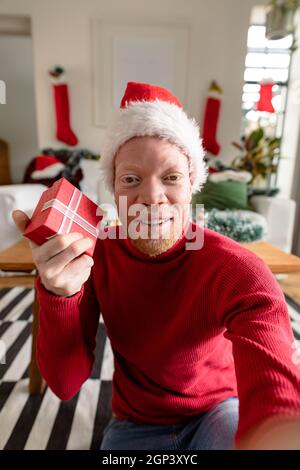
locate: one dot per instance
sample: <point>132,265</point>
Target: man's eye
<point>129,179</point>
<point>173,177</point>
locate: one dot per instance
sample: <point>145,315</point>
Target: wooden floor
<point>291,286</point>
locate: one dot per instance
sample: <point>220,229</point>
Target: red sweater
<point>188,329</point>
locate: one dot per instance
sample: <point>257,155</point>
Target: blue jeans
<point>215,430</point>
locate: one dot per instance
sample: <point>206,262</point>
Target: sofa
<point>16,196</point>
<point>26,196</point>
<point>279,213</point>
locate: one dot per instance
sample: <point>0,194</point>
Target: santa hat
<point>46,166</point>
<point>148,110</point>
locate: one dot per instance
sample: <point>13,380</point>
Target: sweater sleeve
<point>253,310</point>
<point>67,338</point>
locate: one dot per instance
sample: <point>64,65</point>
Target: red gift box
<point>64,209</point>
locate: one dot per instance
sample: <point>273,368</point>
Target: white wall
<point>295,164</point>
<point>287,177</point>
<point>61,31</point>
<point>17,117</point>
<point>296,197</point>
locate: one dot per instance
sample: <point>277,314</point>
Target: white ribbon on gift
<point>70,215</point>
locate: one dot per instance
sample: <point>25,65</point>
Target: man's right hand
<point>62,265</point>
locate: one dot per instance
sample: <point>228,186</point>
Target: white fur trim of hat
<point>155,117</point>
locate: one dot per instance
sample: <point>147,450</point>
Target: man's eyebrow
<point>126,167</point>
<point>173,168</point>
<point>135,166</point>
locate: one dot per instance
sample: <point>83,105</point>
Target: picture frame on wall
<point>124,52</point>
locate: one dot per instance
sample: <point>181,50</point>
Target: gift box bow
<point>70,214</point>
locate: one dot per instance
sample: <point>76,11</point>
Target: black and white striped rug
<point>45,422</point>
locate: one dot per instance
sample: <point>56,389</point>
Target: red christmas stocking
<point>64,132</point>
<point>265,99</point>
<point>211,118</point>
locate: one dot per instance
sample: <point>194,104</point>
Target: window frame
<point>280,115</point>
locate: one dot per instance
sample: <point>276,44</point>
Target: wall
<point>290,168</point>
<point>17,117</point>
<point>295,95</point>
<point>61,31</point>
<point>296,197</point>
<point>287,176</point>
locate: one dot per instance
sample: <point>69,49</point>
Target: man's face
<point>154,173</point>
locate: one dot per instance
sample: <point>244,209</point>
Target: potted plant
<point>280,18</point>
<point>259,155</point>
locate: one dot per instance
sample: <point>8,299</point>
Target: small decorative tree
<point>259,155</point>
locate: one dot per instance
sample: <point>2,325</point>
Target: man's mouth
<point>154,223</point>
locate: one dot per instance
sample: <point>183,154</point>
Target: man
<point>200,332</point>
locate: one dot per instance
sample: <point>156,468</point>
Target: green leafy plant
<point>285,5</point>
<point>259,154</point>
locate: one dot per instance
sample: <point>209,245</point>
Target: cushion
<point>223,195</point>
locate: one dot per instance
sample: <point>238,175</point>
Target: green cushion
<point>223,195</point>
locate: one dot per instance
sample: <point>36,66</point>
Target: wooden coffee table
<point>17,258</point>
<point>278,261</point>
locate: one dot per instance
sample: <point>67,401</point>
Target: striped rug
<point>45,422</point>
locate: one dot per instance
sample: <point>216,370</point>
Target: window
<point>265,60</point>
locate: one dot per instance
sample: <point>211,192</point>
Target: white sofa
<point>278,213</point>
<point>16,196</point>
<point>280,217</point>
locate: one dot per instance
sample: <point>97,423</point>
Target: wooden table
<point>278,261</point>
<point>17,258</point>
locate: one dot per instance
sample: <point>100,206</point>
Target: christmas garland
<point>228,222</point>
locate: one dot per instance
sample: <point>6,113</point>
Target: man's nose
<point>151,192</point>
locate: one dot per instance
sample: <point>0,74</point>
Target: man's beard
<point>156,246</point>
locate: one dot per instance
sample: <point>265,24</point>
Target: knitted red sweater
<point>188,329</point>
